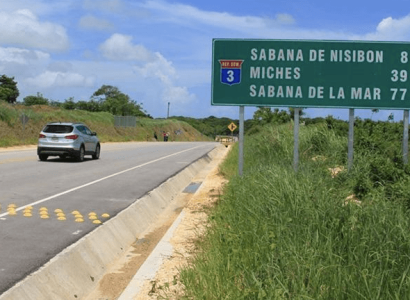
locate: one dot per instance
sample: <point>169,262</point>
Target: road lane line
<point>96,181</point>
<point>12,160</point>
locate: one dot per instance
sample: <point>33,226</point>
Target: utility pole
<point>168,109</point>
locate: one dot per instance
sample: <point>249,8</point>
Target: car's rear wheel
<point>43,157</point>
<point>81,154</point>
<point>96,154</point>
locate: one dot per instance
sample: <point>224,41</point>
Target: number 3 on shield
<point>231,76</point>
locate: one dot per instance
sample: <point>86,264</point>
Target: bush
<point>35,100</point>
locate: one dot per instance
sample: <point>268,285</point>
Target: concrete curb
<point>150,267</point>
<point>75,272</point>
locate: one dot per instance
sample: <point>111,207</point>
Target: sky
<point>160,52</point>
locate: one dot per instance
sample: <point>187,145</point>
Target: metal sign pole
<point>350,141</point>
<point>241,131</point>
<point>296,139</point>
<point>405,137</point>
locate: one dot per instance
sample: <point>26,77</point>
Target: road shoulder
<point>183,241</point>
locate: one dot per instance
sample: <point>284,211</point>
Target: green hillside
<point>13,133</point>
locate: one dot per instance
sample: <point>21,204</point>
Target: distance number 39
<point>400,75</point>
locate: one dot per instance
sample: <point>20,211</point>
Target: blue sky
<point>161,51</point>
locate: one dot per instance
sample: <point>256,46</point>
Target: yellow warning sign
<point>232,126</point>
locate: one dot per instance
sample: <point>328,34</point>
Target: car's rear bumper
<point>57,151</point>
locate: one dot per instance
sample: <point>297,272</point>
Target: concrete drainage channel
<point>76,271</point>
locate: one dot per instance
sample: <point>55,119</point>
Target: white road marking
<point>96,181</point>
<point>77,232</point>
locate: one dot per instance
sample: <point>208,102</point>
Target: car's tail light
<point>71,137</point>
<point>41,136</point>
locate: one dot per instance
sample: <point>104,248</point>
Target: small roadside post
<point>24,120</point>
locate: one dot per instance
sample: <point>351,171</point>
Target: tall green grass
<point>277,234</point>
<point>8,115</point>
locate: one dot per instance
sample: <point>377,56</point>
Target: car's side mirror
<point>93,133</point>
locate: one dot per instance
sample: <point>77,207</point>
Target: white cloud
<point>391,29</point>
<point>22,62</point>
<point>227,25</point>
<point>119,47</point>
<point>285,19</point>
<point>22,28</point>
<point>177,95</point>
<point>91,22</point>
<point>163,70</point>
<point>159,68</point>
<point>50,79</point>
<point>22,56</point>
<point>158,74</point>
<point>180,12</point>
<point>39,7</point>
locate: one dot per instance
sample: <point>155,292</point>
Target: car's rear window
<point>58,129</point>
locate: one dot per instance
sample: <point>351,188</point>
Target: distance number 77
<point>395,93</point>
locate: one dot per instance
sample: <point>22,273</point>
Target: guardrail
<point>226,139</point>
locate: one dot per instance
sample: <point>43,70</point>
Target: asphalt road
<point>124,173</point>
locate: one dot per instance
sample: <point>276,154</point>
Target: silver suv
<point>67,139</point>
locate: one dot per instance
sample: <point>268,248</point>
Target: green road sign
<point>300,73</point>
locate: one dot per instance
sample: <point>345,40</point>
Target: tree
<point>263,115</point>
<point>69,104</point>
<point>35,100</point>
<point>8,89</point>
<point>111,99</point>
<point>88,105</point>
<point>105,92</point>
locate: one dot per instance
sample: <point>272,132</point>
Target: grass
<point>12,132</point>
<point>277,234</point>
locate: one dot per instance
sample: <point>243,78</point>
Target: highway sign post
<point>306,73</point>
